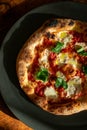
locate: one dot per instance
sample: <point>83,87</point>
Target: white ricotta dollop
<point>66,58</point>
<point>74,86</point>
<point>43,60</point>
<point>50,92</point>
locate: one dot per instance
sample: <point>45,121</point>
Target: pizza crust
<point>69,108</point>
<point>26,56</point>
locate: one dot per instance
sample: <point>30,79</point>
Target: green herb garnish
<point>80,50</point>
<point>58,47</point>
<point>42,74</point>
<point>58,82</point>
<point>83,53</point>
<point>84,69</point>
<point>61,82</point>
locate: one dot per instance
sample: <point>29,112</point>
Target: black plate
<point>14,97</point>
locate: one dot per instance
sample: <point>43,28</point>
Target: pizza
<point>52,66</point>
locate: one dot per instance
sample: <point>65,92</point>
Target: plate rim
<point>12,30</point>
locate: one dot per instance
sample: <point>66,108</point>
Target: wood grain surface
<point>10,12</point>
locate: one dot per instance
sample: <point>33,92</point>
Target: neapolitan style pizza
<point>52,66</point>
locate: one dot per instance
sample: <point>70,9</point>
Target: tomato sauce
<point>83,59</point>
<point>53,68</point>
<point>77,37</point>
<point>47,43</point>
<point>39,90</point>
<point>33,68</point>
<point>31,77</point>
<point>80,74</point>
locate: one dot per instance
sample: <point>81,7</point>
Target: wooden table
<point>10,11</point>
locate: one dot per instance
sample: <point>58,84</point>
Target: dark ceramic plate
<point>14,97</point>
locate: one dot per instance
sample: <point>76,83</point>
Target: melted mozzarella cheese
<point>73,62</point>
<point>50,92</point>
<point>65,58</point>
<point>61,75</point>
<point>62,34</point>
<point>74,86</point>
<point>43,60</point>
<point>64,37</point>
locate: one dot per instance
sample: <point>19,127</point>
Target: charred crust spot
<point>71,23</point>
<point>53,23</point>
<point>62,24</point>
<point>50,35</point>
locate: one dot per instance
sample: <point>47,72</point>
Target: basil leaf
<point>80,50</point>
<point>42,74</point>
<point>84,69</point>
<point>58,47</point>
<point>58,82</point>
<point>61,82</point>
<point>83,53</point>
<point>64,84</point>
